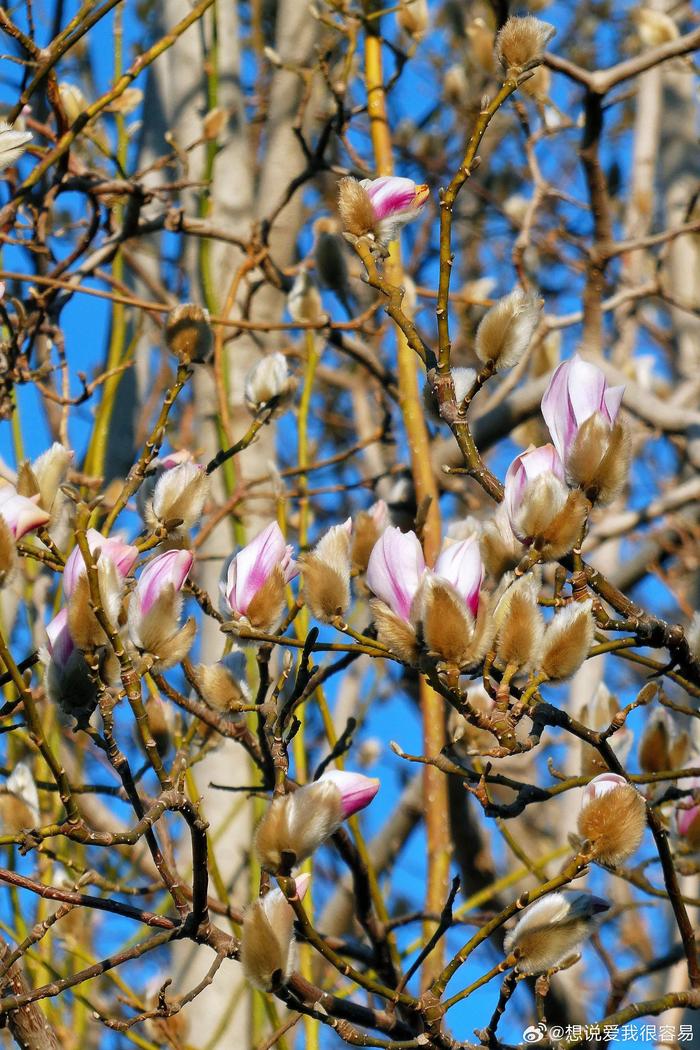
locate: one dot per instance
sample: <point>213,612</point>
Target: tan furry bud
<point>505,331</point>
<point>599,459</point>
<point>267,938</point>
<point>295,825</point>
<point>414,18</point>
<point>661,746</point>
<point>481,42</point>
<point>179,495</point>
<point>213,123</point>
<point>84,627</point>
<point>266,606</point>
<point>355,208</point>
<point>157,632</point>
<point>567,639</point>
<point>598,714</point>
<point>553,928</point>
<point>8,553</point>
<point>188,333</point>
<point>552,516</point>
<point>223,685</point>
<point>538,85</point>
<point>521,42</point>
<point>304,299</point>
<point>398,636</point>
<point>160,721</point>
<point>455,86</point>
<point>612,818</point>
<point>326,574</point>
<point>446,625</point>
<point>654,27</point>
<point>519,625</point>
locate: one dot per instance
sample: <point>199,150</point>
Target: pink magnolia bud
<point>380,206</point>
<point>356,790</point>
<point>688,823</point>
<point>460,564</point>
<point>169,569</point>
<point>523,470</point>
<point>122,555</point>
<point>576,391</point>
<point>600,786</point>
<point>395,567</point>
<point>21,514</point>
<point>250,569</point>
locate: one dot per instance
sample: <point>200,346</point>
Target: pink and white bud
<point>380,206</point>
<point>395,568</point>
<point>103,548</point>
<point>356,790</point>
<point>68,682</point>
<point>170,569</point>
<point>600,786</point>
<point>21,514</point>
<point>460,564</point>
<point>59,642</point>
<point>688,824</point>
<point>267,937</point>
<point>577,391</point>
<point>544,463</point>
<point>254,565</point>
<point>50,470</point>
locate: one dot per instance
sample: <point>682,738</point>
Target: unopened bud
<point>367,527</point>
<point>521,42</point>
<point>188,333</point>
<point>414,18</point>
<point>553,928</point>
<point>519,625</point>
<point>326,574</point>
<point>223,685</point>
<point>567,640</point>
<point>505,331</point>
<point>19,804</point>
<point>304,300</point>
<point>45,475</point>
<point>612,818</point>
<point>599,458</point>
<point>500,549</point>
<point>268,380</point>
<point>13,143</point>
<point>267,937</point>
<point>155,606</point>
<point>179,495</point>
<point>213,123</point>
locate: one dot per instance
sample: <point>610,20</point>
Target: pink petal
<point>601,785</point>
<point>390,195</point>
<point>60,643</point>
<point>685,818</point>
<point>122,555</point>
<point>356,790</point>
<point>460,564</point>
<point>168,569</point>
<point>586,387</point>
<point>612,400</point>
<point>395,567</point>
<point>252,566</point>
<point>557,411</point>
<point>21,513</point>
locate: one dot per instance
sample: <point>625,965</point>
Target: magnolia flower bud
<point>68,682</point>
<point>654,747</point>
<point>654,27</point>
<point>481,44</point>
<point>267,937</point>
<point>567,639</point>
<point>85,629</point>
<point>254,580</point>
<point>103,548</point>
<point>21,514</point>
<point>326,574</point>
<point>553,928</point>
<point>460,565</point>
<point>155,606</point>
<point>455,86</point>
<point>268,380</point>
<point>367,527</point>
<point>45,475</point>
<point>506,329</point>
<point>519,625</point>
<point>414,18</point>
<point>304,300</point>
<point>541,510</point>
<point>295,825</point>
<point>612,818</point>
<point>538,85</point>
<point>521,42</point>
<point>581,412</point>
<point>19,805</point>
<point>179,495</point>
<point>379,207</point>
<point>394,571</point>
<point>224,685</point>
<point>188,333</point>
<point>161,722</point>
<point>448,627</point>
<point>12,144</point>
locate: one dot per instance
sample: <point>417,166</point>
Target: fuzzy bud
<point>541,509</point>
<point>224,685</point>
<point>567,639</point>
<point>103,549</point>
<point>267,381</point>
<point>19,803</point>
<point>612,818</point>
<point>395,568</point>
<point>379,207</point>
<point>254,579</point>
<point>446,624</point>
<point>519,625</point>
<point>267,937</point>
<point>188,333</point>
<point>501,550</point>
<point>296,824</point>
<point>179,495</point>
<point>68,682</point>
<point>553,928</point>
<point>304,300</point>
<point>155,607</point>
<point>45,475</point>
<point>326,574</point>
<point>367,527</point>
<point>414,18</point>
<point>505,331</point>
<point>654,27</point>
<point>598,714</point>
<point>85,629</point>
<point>599,459</point>
<point>12,144</point>
<point>521,42</point>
